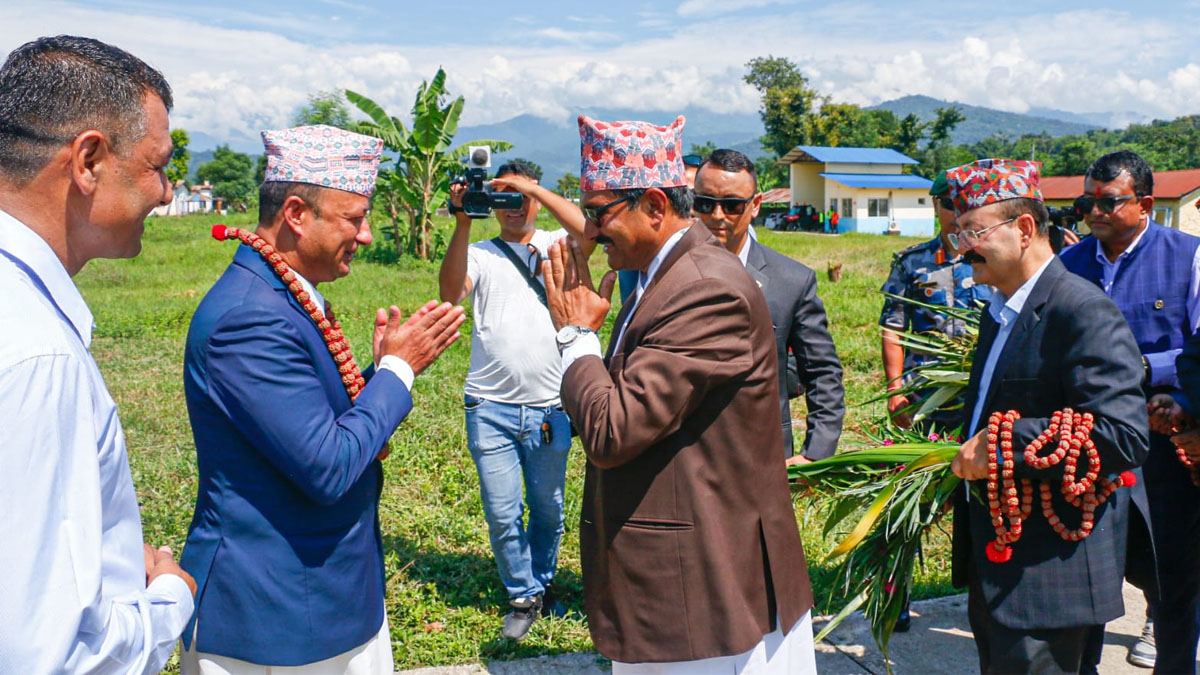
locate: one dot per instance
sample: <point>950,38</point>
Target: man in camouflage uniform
<point>931,272</point>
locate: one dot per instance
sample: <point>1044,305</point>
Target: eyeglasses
<point>946,203</point>
<point>732,206</point>
<point>968,238</point>
<point>1107,205</point>
<point>595,213</point>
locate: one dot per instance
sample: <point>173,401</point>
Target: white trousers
<point>775,654</point>
<point>374,657</point>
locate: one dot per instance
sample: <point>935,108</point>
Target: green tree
<point>231,175</point>
<point>568,186</point>
<point>789,105</point>
<point>909,134</point>
<point>940,154</point>
<point>703,150</point>
<point>771,174</point>
<point>177,170</point>
<point>943,125</point>
<point>420,182</point>
<point>324,107</point>
<point>260,169</point>
<point>537,169</point>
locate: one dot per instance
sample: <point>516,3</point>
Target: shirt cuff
<point>399,368</point>
<point>1162,368</point>
<point>587,344</point>
<point>174,588</point>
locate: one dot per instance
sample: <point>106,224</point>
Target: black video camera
<point>1062,219</point>
<point>479,199</point>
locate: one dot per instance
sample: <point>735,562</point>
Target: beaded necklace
<point>330,327</point>
<point>1073,431</point>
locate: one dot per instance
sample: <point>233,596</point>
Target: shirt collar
<point>1103,259</point>
<point>28,247</point>
<point>312,291</point>
<point>744,254</point>
<point>647,276</point>
<point>1002,308</point>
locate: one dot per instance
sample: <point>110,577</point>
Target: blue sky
<point>241,66</point>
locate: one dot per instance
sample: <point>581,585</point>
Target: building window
<point>847,208</point>
<point>877,208</point>
<point>1162,216</point>
<point>921,201</point>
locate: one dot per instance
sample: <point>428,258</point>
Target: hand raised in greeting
<point>572,299</point>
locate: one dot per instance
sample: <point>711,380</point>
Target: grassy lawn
<point>444,598</point>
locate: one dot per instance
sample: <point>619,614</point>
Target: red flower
<point>889,588</point>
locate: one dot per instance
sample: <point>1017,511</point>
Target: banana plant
<point>426,161</point>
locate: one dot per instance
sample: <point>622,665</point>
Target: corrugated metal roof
<point>777,196</point>
<point>893,181</point>
<point>1167,185</point>
<point>820,153</point>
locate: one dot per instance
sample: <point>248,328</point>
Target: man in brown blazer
<point>692,560</point>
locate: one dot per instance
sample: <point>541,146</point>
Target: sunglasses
<point>595,213</point>
<point>732,206</point>
<point>1107,205</point>
<point>946,203</point>
<point>692,160</point>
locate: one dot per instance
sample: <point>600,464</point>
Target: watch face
<point>567,334</point>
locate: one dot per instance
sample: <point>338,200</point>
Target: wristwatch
<point>569,334</point>
<point>452,208</point>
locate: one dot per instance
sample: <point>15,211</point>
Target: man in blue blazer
<point>285,544</point>
<point>1048,340</point>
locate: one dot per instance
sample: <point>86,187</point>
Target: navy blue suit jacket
<point>284,544</point>
<point>1070,347</point>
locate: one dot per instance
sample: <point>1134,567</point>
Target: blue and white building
<point>865,186</point>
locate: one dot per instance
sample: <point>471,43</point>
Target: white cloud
<point>230,83</point>
<point>712,7</point>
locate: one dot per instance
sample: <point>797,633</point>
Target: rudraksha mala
<point>1073,431</point>
<point>330,327</point>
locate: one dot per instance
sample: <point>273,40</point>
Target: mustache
<point>973,257</point>
<point>601,239</point>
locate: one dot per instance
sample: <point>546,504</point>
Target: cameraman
<point>516,428</point>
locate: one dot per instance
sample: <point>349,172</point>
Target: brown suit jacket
<point>688,538</point>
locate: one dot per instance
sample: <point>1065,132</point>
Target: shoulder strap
<point>527,274</point>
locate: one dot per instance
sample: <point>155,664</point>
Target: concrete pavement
<point>939,643</point>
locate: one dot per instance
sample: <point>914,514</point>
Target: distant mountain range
<point>554,144</point>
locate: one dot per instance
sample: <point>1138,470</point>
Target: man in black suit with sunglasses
<point>726,200</point>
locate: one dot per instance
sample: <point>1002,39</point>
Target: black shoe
<point>904,622</point>
<point>518,621</point>
<point>550,604</point>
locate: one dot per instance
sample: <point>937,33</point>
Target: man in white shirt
<point>84,141</point>
<point>517,431</point>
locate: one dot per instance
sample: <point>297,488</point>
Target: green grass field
<point>444,598</point>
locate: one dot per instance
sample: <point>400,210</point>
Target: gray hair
<point>54,88</point>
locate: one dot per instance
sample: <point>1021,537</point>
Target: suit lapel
<point>693,236</point>
<point>1018,340</point>
<point>756,265</point>
<point>250,259</point>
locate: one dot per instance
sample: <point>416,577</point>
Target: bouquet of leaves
<point>898,486</point>
<point>898,491</point>
<point>945,376</point>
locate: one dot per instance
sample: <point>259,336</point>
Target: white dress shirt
<point>1162,364</point>
<point>589,344</point>
<point>73,595</point>
<point>1005,311</point>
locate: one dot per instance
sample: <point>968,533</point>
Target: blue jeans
<point>506,443</point>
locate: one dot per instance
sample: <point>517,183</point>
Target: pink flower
<point>889,442</point>
<point>933,436</point>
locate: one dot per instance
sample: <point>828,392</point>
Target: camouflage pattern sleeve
<point>895,313</point>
